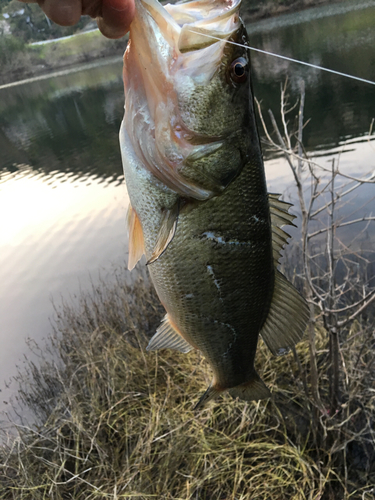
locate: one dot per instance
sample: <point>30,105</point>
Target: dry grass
<point>117,421</point>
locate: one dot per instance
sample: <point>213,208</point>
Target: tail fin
<point>252,390</point>
<point>211,393</point>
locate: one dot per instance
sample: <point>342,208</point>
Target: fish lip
<point>169,29</point>
<point>187,26</point>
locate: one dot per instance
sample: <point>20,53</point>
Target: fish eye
<point>239,70</point>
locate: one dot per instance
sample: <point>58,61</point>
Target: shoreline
<point>41,61</point>
<point>269,10</point>
<point>67,54</point>
<point>64,70</point>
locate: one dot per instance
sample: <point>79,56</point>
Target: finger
<point>116,17</point>
<point>62,12</point>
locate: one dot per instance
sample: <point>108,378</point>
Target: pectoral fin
<point>168,337</point>
<point>136,240</point>
<point>167,231</point>
<point>287,317</point>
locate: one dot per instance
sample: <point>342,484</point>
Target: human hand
<point>113,17</point>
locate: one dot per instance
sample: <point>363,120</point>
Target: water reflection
<point>69,125</point>
<point>61,188</point>
<point>334,37</point>
<point>58,231</point>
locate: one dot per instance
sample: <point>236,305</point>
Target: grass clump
<point>115,421</point>
<point>80,48</point>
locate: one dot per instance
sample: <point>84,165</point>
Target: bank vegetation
<point>20,61</point>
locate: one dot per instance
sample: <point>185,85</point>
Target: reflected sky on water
<point>62,196</point>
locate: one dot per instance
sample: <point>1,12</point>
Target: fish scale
<point>199,207</point>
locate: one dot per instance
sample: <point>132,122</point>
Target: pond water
<point>62,196</point>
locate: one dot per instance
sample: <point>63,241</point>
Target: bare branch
<point>340,224</point>
<point>269,138</point>
<point>300,128</point>
<point>370,133</point>
<point>345,193</point>
<point>352,306</point>
<point>283,116</point>
<point>343,323</point>
<point>283,147</point>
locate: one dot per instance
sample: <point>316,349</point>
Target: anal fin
<point>252,390</point>
<point>287,317</point>
<point>167,337</point>
<point>167,231</point>
<point>135,235</point>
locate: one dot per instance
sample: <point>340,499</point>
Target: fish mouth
<point>162,34</point>
<point>168,44</point>
<point>190,26</point>
<point>204,22</point>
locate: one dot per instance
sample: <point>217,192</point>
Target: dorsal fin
<point>167,231</point>
<point>168,337</point>
<point>135,236</point>
<point>280,217</point>
<point>287,317</point>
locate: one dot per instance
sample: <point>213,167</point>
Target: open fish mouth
<point>189,26</point>
<point>171,50</point>
<point>184,40</point>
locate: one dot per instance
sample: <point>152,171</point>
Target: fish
<point>199,208</point>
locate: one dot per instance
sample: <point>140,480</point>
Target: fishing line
<point>363,80</point>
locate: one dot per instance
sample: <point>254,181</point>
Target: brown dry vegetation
<point>116,421</point>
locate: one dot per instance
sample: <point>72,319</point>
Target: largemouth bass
<point>200,210</point>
